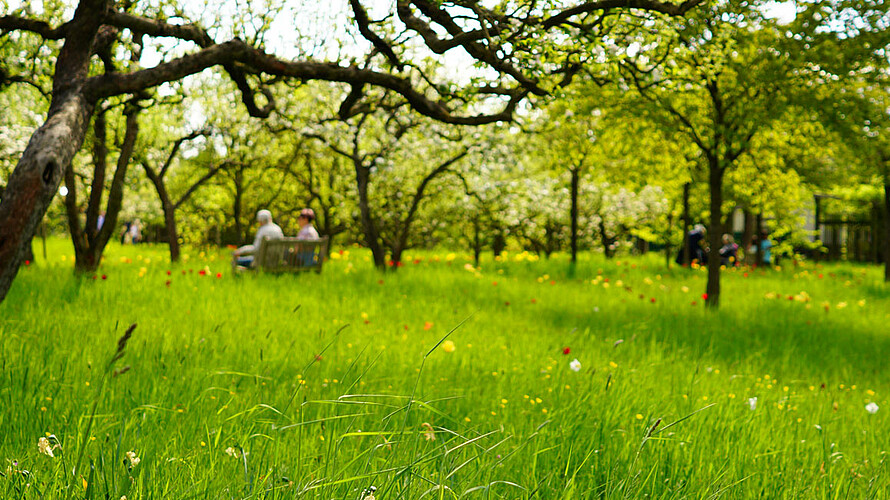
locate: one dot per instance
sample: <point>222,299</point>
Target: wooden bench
<point>290,255</point>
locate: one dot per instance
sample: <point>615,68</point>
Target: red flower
<point>202,272</point>
<point>104,277</point>
<point>427,325</point>
<point>183,271</point>
<point>399,264</point>
<point>693,303</point>
<point>169,272</point>
<point>506,303</point>
<point>380,282</point>
<point>417,261</point>
<point>392,263</point>
<point>566,350</point>
<point>494,283</point>
<point>652,300</point>
<point>406,327</point>
<point>167,283</point>
<point>219,275</point>
<point>534,301</point>
<point>27,262</point>
<point>704,296</point>
<point>95,277</point>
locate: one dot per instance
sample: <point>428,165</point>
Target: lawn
<point>442,380</point>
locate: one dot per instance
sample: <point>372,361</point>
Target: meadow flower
<point>871,407</point>
<point>132,459</point>
<point>44,446</point>
<point>752,403</point>
<point>448,346</point>
<point>566,350</point>
<point>368,494</point>
<point>232,452</point>
<point>575,365</point>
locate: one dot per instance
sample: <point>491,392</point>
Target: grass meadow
<point>442,380</point>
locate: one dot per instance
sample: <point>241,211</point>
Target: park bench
<point>290,255</point>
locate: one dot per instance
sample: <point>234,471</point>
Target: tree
<point>501,39</point>
<point>721,82</point>
<point>157,176</point>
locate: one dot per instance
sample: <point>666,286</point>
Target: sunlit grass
<point>319,386</point>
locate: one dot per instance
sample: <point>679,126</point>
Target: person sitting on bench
<point>267,230</point>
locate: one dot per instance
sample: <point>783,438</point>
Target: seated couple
<point>243,256</point>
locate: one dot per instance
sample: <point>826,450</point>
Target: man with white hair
<point>268,230</point>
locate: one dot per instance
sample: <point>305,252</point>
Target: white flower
<point>45,448</point>
<point>871,408</point>
<point>231,452</point>
<point>752,403</point>
<point>575,365</point>
<point>133,459</point>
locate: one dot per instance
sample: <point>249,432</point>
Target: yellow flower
<point>639,416</point>
<point>448,346</point>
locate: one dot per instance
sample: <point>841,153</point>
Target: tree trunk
<point>477,242</point>
<point>715,232</point>
<point>169,212</point>
<point>90,241</point>
<point>668,250</point>
<point>36,178</point>
<point>758,225</point>
<point>748,235</point>
<point>372,238</point>
<point>687,223</point>
<point>604,238</point>
<point>887,231</point>
<point>574,213</point>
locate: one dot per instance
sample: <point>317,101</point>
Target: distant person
<point>135,232</point>
<point>695,240</point>
<point>308,233</point>
<point>243,256</point>
<point>729,252</point>
<point>307,230</point>
<point>766,247</point>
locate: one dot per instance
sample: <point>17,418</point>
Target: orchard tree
<point>506,39</point>
<point>722,80</point>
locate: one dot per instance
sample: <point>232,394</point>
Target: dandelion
<point>575,365</point>
<point>448,346</point>
<point>132,459</point>
<point>44,446</point>
<point>871,408</point>
<point>752,403</point>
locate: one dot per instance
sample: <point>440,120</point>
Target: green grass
<point>325,381</point>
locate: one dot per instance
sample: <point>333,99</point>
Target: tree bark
<point>372,237</point>
<point>90,241</point>
<point>576,177</point>
<point>36,178</point>
<point>715,232</point>
<point>604,238</point>
<point>687,223</point>
<point>887,231</point>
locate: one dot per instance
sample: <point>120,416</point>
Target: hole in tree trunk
<point>48,172</point>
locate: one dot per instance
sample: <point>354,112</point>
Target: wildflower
<point>752,403</point>
<point>219,275</point>
<point>232,452</point>
<point>575,365</point>
<point>704,296</point>
<point>448,346</point>
<point>368,494</point>
<point>871,408</point>
<point>427,325</point>
<point>46,448</point>
<point>566,350</point>
<point>132,459</point>
<point>104,277</point>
